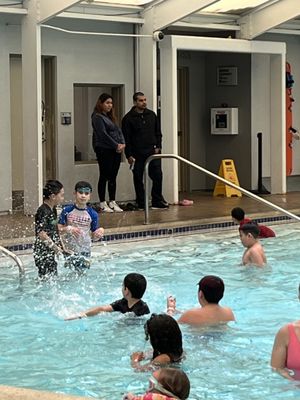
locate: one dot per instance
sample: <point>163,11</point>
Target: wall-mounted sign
<point>227,76</point>
<point>65,118</point>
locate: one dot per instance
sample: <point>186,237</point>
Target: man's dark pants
<point>155,174</point>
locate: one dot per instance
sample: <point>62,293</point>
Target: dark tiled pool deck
<point>207,213</point>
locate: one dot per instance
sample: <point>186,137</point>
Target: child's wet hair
<point>175,381</point>
<point>136,284</point>
<point>51,187</point>
<point>238,213</point>
<point>250,228</point>
<point>165,336</point>
<point>212,287</point>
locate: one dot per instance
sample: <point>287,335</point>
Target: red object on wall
<point>289,120</point>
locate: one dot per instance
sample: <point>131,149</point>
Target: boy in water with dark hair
<point>211,291</point>
<point>254,253</point>
<point>238,216</point>
<point>133,289</point>
<point>77,224</point>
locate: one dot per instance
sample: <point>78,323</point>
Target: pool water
<point>90,357</point>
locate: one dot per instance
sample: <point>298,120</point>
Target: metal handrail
<point>16,259</point>
<point>217,177</point>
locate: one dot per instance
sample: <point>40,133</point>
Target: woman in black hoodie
<point>108,144</point>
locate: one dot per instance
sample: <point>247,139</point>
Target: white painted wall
<point>80,59</point>
<point>93,60</point>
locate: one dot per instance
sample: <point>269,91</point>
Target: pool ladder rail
<point>211,174</point>
<point>15,258</point>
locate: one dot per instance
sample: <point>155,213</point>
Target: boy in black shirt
<point>47,242</point>
<point>133,289</point>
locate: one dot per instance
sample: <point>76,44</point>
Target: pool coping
<point>15,393</point>
<point>159,230</point>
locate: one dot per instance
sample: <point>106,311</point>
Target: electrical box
<point>224,121</point>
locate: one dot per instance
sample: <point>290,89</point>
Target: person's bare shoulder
<point>228,314</point>
<point>192,316</point>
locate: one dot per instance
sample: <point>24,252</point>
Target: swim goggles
<point>155,385</point>
<point>85,190</point>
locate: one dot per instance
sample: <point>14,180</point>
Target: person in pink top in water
<point>286,350</point>
<point>165,384</point>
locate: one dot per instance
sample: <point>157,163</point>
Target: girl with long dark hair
<point>108,144</point>
<point>166,340</point>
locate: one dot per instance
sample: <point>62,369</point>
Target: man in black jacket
<point>143,136</point>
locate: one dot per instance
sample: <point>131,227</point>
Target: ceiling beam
<point>168,12</point>
<point>260,21</point>
<point>48,9</point>
<point>98,17</point>
<point>10,10</point>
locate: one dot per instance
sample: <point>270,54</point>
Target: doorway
<point>183,128</point>
<point>49,112</point>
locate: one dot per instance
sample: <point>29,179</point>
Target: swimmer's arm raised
<point>91,312</point>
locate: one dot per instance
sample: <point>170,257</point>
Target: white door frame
<point>168,70</point>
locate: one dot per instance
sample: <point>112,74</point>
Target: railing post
<point>211,174</point>
<point>16,259</point>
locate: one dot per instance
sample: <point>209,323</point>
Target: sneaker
<point>114,206</point>
<point>104,207</point>
<point>160,204</point>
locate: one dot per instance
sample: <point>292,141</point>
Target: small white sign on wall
<point>227,76</point>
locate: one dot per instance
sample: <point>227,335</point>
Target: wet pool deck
<point>18,228</point>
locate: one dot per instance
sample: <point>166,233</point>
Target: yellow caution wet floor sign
<point>228,172</point>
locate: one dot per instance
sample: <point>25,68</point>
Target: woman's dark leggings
<point>109,164</point>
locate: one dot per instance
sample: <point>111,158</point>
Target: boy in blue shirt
<point>78,224</point>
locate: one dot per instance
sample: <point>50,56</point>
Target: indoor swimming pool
<point>91,357</point>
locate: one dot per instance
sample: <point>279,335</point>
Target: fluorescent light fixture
<point>230,5</point>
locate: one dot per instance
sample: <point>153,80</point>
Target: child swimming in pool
<point>166,341</point>
<point>210,292</point>
<point>77,224</point>
<point>286,350</point>
<point>238,217</point>
<point>254,253</point>
<point>165,384</point>
<point>133,289</point>
<point>47,242</point>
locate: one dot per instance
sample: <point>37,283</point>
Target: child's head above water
<point>251,229</point>
<point>52,187</point>
<point>165,335</point>
<point>171,382</point>
<point>238,214</point>
<point>136,284</point>
<point>212,288</point>
<point>83,186</point>
<point>82,193</point>
<point>53,192</point>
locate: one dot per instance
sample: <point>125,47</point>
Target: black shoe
<point>140,207</point>
<point>160,204</point>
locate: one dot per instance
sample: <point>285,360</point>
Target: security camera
<point>158,36</point>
